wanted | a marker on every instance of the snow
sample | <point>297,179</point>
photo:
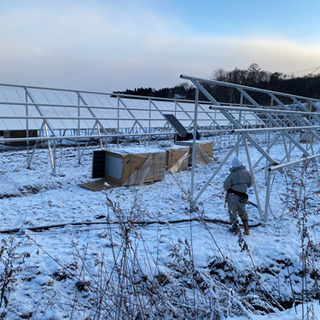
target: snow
<point>56,259</point>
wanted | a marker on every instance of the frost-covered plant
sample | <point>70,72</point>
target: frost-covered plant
<point>263,300</point>
<point>125,283</point>
<point>197,293</point>
<point>129,284</point>
<point>10,267</point>
<point>127,276</point>
<point>300,203</point>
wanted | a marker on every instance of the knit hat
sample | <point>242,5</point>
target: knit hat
<point>236,163</point>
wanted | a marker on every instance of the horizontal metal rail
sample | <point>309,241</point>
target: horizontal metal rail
<point>91,118</point>
<point>96,136</point>
<point>83,106</point>
<point>291,163</point>
<point>211,107</point>
<point>86,137</point>
<point>265,110</point>
<point>116,95</point>
<point>275,129</point>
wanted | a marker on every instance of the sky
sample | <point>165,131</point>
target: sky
<point>112,45</point>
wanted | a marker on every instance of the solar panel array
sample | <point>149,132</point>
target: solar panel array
<point>29,108</point>
<point>46,109</point>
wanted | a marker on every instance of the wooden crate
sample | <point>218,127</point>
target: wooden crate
<point>177,158</point>
<point>133,166</point>
<point>204,151</point>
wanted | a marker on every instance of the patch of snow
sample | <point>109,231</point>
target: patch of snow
<point>46,287</point>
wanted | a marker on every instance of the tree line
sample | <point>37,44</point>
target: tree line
<point>253,76</point>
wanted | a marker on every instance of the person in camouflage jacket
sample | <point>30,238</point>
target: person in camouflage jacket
<point>236,185</point>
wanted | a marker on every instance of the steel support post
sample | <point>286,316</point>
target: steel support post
<point>254,180</point>
<point>150,115</point>
<point>288,152</point>
<point>194,145</point>
<point>35,146</point>
<point>99,131</point>
<point>285,147</point>
<point>79,125</point>
<point>239,120</point>
<point>268,150</point>
<point>118,119</point>
<point>266,208</point>
<point>54,157</point>
<point>49,148</point>
<point>27,125</point>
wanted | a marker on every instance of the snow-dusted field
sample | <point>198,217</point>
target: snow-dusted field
<point>61,272</point>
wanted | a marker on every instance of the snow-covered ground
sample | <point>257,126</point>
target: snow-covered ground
<point>56,269</point>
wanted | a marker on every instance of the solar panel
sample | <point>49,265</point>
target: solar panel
<point>29,107</point>
<point>176,124</point>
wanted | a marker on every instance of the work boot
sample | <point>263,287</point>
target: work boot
<point>234,229</point>
<point>246,227</point>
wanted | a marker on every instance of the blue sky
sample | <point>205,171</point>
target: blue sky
<point>289,18</point>
<point>107,45</point>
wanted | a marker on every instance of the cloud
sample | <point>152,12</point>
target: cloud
<point>108,48</point>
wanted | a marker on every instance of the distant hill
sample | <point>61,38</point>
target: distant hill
<point>254,76</point>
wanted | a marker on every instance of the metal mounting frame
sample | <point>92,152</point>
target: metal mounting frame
<point>284,118</point>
